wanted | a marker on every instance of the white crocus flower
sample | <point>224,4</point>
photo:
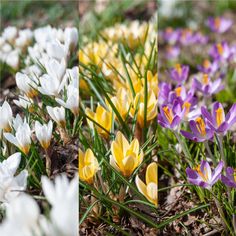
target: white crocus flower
<point>18,121</point>
<point>53,82</point>
<point>44,133</point>
<point>55,69</point>
<point>56,50</point>
<point>13,59</point>
<point>25,37</point>
<point>26,84</point>
<point>24,102</point>
<point>73,75</point>
<point>22,218</point>
<point>72,101</point>
<point>22,138</point>
<point>11,185</point>
<point>5,117</point>
<point>50,86</point>
<point>63,196</point>
<point>33,70</point>
<point>57,114</point>
<point>71,38</point>
<point>9,33</point>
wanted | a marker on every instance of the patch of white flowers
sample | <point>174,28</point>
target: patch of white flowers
<point>23,217</point>
<point>46,51</point>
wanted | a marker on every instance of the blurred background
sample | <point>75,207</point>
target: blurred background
<point>183,13</point>
<point>34,13</point>
<point>98,14</point>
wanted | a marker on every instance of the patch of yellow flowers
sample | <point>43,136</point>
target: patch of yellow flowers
<point>129,102</point>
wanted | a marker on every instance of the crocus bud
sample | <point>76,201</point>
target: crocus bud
<point>71,38</point>
<point>57,114</point>
<point>149,190</point>
<point>22,138</point>
<point>88,165</point>
<point>5,117</point>
<point>56,50</point>
<point>44,133</point>
<point>26,85</point>
<point>102,117</point>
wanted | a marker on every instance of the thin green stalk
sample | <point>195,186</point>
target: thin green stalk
<point>221,213</point>
<point>210,153</point>
<point>184,147</point>
<point>221,147</point>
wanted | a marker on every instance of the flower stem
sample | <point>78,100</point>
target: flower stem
<point>101,182</point>
<point>222,215</point>
<point>220,210</point>
<point>48,162</point>
<point>209,152</point>
<point>183,145</point>
<point>221,147</point>
<point>234,222</point>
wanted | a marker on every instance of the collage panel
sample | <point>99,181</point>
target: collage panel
<point>197,117</point>
<point>118,118</point>
<point>39,122</point>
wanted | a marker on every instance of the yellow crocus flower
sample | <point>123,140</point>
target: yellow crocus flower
<point>138,104</point>
<point>126,157</point>
<point>88,166</point>
<point>95,52</point>
<point>103,117</point>
<point>122,102</point>
<point>149,190</point>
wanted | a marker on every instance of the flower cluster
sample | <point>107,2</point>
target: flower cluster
<point>13,43</point>
<point>119,89</point>
<point>23,215</point>
<point>192,107</point>
<point>46,118</point>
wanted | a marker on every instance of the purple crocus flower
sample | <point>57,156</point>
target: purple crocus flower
<point>206,86</point>
<point>199,38</point>
<point>219,24</point>
<point>208,67</point>
<point>187,100</point>
<point>216,120</point>
<point>203,175</point>
<point>170,116</point>
<point>221,52</point>
<point>179,73</point>
<point>186,37</point>
<point>170,35</point>
<point>183,95</point>
<point>164,90</point>
<point>172,52</point>
<point>230,178</point>
<point>200,132</point>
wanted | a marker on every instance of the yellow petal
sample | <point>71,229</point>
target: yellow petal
<point>113,163</point>
<point>142,188</point>
<point>105,120</point>
<point>117,154</point>
<point>81,159</point>
<point>122,142</point>
<point>88,172</point>
<point>100,110</point>
<point>140,158</point>
<point>129,165</point>
<point>134,146</point>
<point>151,173</point>
<point>89,157</point>
<point>152,190</point>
